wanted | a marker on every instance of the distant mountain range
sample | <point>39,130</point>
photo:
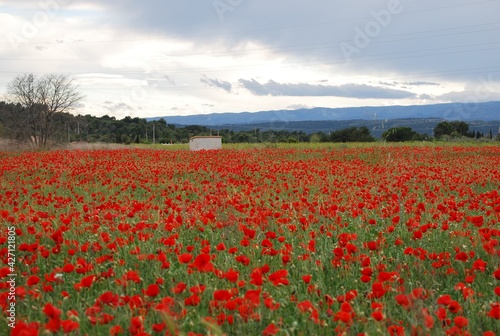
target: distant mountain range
<point>488,111</point>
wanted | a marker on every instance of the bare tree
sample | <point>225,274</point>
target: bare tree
<point>42,98</point>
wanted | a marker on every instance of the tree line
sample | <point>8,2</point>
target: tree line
<point>40,115</point>
<point>66,127</point>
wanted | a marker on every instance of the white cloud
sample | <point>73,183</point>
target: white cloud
<point>165,57</point>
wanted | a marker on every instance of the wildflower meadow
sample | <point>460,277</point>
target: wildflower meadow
<point>379,240</point>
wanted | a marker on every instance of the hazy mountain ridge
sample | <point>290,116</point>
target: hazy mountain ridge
<point>488,111</point>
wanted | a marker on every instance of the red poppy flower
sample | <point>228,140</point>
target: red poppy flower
<point>115,331</point>
<point>86,282</point>
<point>307,278</point>
<point>285,259</point>
<point>479,265</point>
<point>346,307</point>
<point>403,300</point>
<point>419,293</point>
<point>377,315</point>
<point>441,314</point>
<point>444,300</point>
<point>461,256</point>
<point>365,278</point>
<point>159,327</point>
<point>495,311</point>
<point>68,268</point>
<point>378,290</point>
<point>25,329</point>
<point>428,319</point>
<point>395,330</point>
<point>202,263</point>
<point>136,325</point>
<point>51,311</point>
<point>193,300</point>
<point>243,259</point>
<point>185,258</point>
<point>496,274</point>
<point>179,288</point>
<point>33,280</point>
<point>68,326</point>
<point>279,278</point>
<point>460,321</point>
<point>305,306</point>
<point>271,304</point>
<point>253,295</point>
<point>270,330</point>
<point>266,243</point>
<point>152,290</point>
<point>367,271</point>
<point>109,298</point>
<point>256,276</point>
<point>53,325</point>
<point>222,295</point>
<point>232,275</point>
<point>132,276</point>
<point>343,316</point>
<point>197,289</point>
<point>454,307</point>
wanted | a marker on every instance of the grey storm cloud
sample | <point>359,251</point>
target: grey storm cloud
<point>421,83</point>
<point>224,85</point>
<point>415,37</point>
<point>387,49</point>
<point>118,107</point>
<point>360,91</point>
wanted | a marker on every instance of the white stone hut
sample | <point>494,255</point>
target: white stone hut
<point>205,143</point>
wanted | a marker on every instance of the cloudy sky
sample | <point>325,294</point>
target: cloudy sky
<point>159,58</point>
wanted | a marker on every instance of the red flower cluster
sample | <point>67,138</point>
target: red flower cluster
<point>395,240</point>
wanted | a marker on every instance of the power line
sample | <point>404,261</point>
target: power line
<point>327,61</point>
<point>296,47</point>
<point>240,32</point>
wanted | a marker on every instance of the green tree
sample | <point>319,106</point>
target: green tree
<point>352,134</point>
<point>449,127</point>
<point>442,128</point>
<point>400,134</point>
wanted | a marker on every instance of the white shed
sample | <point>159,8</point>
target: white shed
<point>205,143</point>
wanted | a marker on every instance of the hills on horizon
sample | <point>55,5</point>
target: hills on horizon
<point>487,111</point>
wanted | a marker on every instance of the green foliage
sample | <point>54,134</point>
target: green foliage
<point>130,130</point>
<point>452,128</point>
<point>402,134</point>
<point>315,138</point>
<point>352,134</point>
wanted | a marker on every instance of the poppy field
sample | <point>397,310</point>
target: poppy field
<point>380,240</point>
